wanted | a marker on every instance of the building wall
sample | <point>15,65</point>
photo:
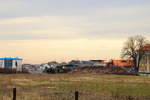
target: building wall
<point>16,64</point>
<point>145,63</point>
<point>1,63</point>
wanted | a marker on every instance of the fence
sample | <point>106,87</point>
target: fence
<point>37,94</point>
<point>47,94</point>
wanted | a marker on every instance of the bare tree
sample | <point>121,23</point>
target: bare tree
<point>132,50</point>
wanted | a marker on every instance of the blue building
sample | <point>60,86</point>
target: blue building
<point>11,63</point>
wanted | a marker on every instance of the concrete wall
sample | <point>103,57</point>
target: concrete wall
<point>17,64</point>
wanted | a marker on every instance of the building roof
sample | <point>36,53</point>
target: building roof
<point>11,59</point>
<point>97,60</point>
<point>146,47</point>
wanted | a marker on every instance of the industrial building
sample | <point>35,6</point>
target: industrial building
<point>11,63</point>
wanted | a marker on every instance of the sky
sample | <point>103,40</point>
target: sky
<point>40,31</point>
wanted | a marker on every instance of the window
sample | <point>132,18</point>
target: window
<point>8,63</point>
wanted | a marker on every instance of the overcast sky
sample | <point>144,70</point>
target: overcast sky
<point>44,30</point>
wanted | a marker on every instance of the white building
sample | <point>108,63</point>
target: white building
<point>11,63</point>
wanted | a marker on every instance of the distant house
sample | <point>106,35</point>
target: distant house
<point>86,64</point>
<point>52,64</point>
<point>97,63</point>
<point>44,66</point>
<point>89,63</point>
<point>104,63</point>
<point>122,63</point>
<point>11,63</point>
<point>68,67</point>
<point>145,61</point>
<point>75,62</point>
<point>26,68</point>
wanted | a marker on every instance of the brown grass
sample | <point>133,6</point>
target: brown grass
<point>62,86</point>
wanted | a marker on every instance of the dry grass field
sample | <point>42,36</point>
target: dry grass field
<point>62,87</point>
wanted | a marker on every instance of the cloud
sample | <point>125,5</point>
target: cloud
<point>30,8</point>
<point>37,51</point>
<point>44,27</point>
<point>66,27</point>
<point>40,31</point>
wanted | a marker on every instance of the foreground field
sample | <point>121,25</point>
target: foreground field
<point>62,86</point>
